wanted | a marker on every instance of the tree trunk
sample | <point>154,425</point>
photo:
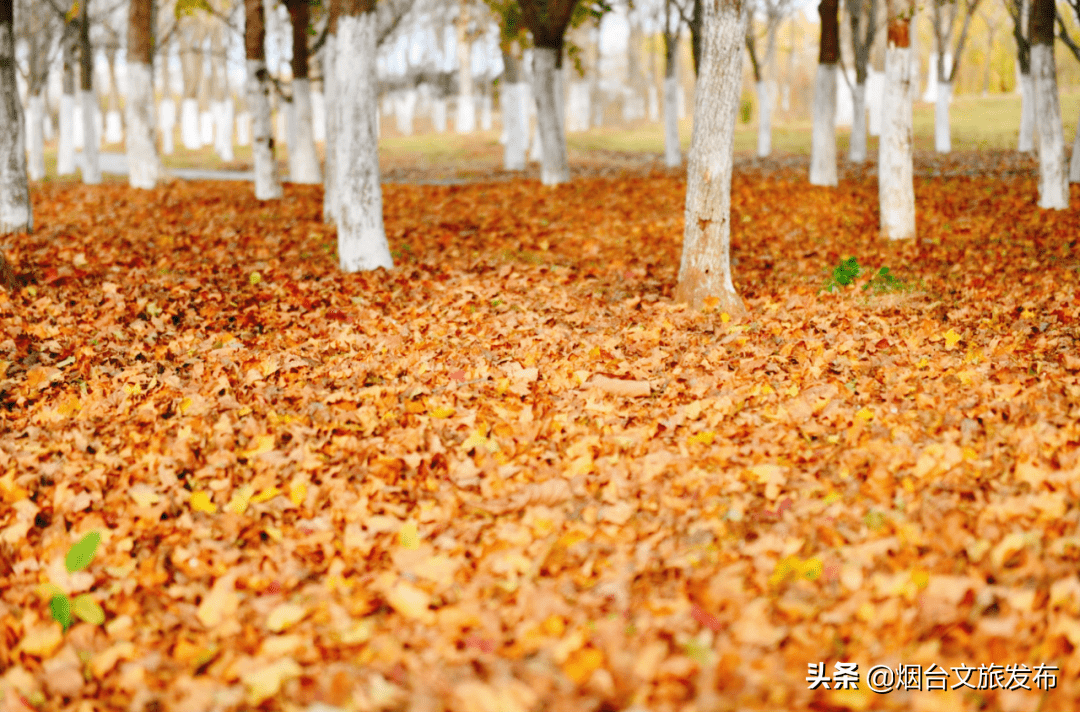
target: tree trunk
<point>15,210</point>
<point>466,105</point>
<point>942,137</point>
<point>303,160</point>
<point>65,154</point>
<point>672,147</point>
<point>1074,163</point>
<point>705,270</point>
<point>361,235</point>
<point>764,132</point>
<point>91,168</point>
<point>857,147</point>
<point>555,166</point>
<point>515,114</point>
<point>896,184</point>
<point>144,165</point>
<point>823,139</point>
<point>330,86</point>
<point>267,182</point>
<point>1053,183</point>
<point>1053,186</point>
<point>35,136</point>
<point>1026,143</point>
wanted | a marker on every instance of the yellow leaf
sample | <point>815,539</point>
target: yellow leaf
<point>264,683</point>
<point>951,338</point>
<point>411,602</point>
<point>705,437</point>
<point>409,537</point>
<point>297,492</point>
<point>442,411</point>
<point>923,363</point>
<point>725,317</point>
<point>42,640</point>
<point>240,499</point>
<point>865,415</point>
<point>69,406</point>
<point>582,663</point>
<point>260,445</point>
<point>266,495</point>
<point>200,502</point>
<point>220,603</point>
<point>285,616</point>
<point>254,278</point>
<point>184,405</point>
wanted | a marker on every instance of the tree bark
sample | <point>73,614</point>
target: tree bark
<point>144,165</point>
<point>35,138</point>
<point>555,165</point>
<point>361,235</point>
<point>942,130</point>
<point>672,147</point>
<point>303,160</point>
<point>823,139</point>
<point>705,270</point>
<point>65,154</point>
<point>1053,183</point>
<point>91,168</point>
<point>1026,141</point>
<point>764,133</point>
<point>267,181</point>
<point>515,114</point>
<point>896,186</point>
<point>191,66</point>
<point>466,103</point>
<point>857,147</point>
<point>15,210</point>
<point>330,84</point>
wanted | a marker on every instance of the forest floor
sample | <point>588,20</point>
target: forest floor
<point>511,474</point>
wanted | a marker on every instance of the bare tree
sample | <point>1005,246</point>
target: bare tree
<point>1053,183</point>
<point>863,15</point>
<point>15,211</point>
<point>823,139</point>
<point>267,181</point>
<point>944,21</point>
<point>896,186</point>
<point>1019,11</point>
<point>144,164</point>
<point>764,68</point>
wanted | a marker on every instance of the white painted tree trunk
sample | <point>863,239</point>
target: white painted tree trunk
<point>516,124</point>
<point>15,210</point>
<point>267,181</point>
<point>332,108</point>
<point>167,123</point>
<point>91,165</point>
<point>823,140</point>
<point>318,115</point>
<point>65,155</point>
<point>35,124</point>
<point>554,164</point>
<point>857,147</point>
<point>654,104</point>
<point>243,128</point>
<point>485,112</point>
<point>361,235</point>
<point>189,124</point>
<point>78,124</point>
<point>303,161</point>
<point>405,110</point>
<point>466,114</point>
<point>114,128</point>
<point>942,130</point>
<point>144,165</point>
<point>223,130</point>
<point>1053,185</point>
<point>705,269</point>
<point>672,149</point>
<point>764,130</point>
<point>875,92</point>
<point>206,128</point>
<point>1026,143</point>
<point>1074,164</point>
<point>896,182</point>
<point>438,114</point>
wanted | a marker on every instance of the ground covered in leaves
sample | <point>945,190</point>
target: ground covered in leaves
<point>512,475</point>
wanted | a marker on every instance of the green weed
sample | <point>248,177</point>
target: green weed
<point>84,606</point>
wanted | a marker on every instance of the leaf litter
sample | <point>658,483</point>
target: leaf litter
<point>511,474</point>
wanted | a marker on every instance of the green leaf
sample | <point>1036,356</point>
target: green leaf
<point>60,605</point>
<point>81,552</point>
<point>87,608</point>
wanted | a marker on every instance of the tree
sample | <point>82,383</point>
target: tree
<point>705,271</point>
<point>896,181</point>
<point>863,15</point>
<point>548,20</point>
<point>38,26</point>
<point>672,148</point>
<point>823,139</point>
<point>15,210</point>
<point>1074,47</point>
<point>267,181</point>
<point>944,21</point>
<point>143,160</point>
<point>765,69</point>
<point>1053,183</point>
<point>69,49</point>
<point>330,97</point>
<point>361,235</point>
<point>513,90</point>
<point>91,168</point>
<point>1018,11</point>
<point>303,161</point>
